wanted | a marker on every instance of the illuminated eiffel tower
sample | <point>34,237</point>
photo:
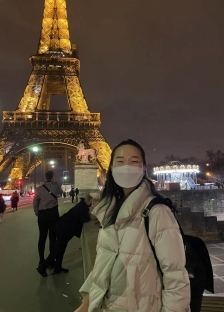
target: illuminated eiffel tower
<point>55,71</point>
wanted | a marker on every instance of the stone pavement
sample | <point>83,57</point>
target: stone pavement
<point>216,252</point>
<point>21,287</point>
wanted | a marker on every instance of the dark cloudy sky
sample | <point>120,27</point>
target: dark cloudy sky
<point>154,69</point>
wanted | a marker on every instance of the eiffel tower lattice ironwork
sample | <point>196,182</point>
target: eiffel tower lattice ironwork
<point>55,70</point>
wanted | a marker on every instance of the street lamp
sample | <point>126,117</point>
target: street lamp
<point>52,163</point>
<point>64,181</point>
<point>35,150</point>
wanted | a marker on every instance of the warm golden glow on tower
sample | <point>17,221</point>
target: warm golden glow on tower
<point>55,33</point>
<point>16,173</point>
<point>56,67</point>
<point>55,71</point>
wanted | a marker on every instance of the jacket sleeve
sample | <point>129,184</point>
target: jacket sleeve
<point>87,285</point>
<point>165,236</point>
<point>36,201</point>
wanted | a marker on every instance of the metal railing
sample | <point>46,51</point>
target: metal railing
<point>15,116</point>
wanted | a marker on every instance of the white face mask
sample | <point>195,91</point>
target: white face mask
<point>127,176</point>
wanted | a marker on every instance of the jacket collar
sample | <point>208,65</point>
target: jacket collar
<point>132,206</point>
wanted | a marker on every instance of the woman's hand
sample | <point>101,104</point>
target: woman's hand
<point>85,304</point>
<point>81,309</point>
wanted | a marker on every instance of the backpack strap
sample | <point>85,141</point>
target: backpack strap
<point>167,202</point>
<point>49,191</point>
<point>145,214</point>
<point>153,202</point>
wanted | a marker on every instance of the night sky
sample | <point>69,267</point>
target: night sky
<point>153,69</point>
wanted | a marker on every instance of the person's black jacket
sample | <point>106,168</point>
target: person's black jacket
<point>72,221</point>
<point>199,248</point>
<point>72,193</point>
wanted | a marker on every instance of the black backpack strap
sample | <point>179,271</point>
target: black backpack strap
<point>153,202</point>
<point>182,234</point>
<point>146,220</point>
<point>145,214</point>
<point>49,191</point>
<point>167,202</point>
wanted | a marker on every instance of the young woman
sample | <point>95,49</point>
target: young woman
<point>125,276</point>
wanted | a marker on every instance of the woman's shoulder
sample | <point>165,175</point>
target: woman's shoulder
<point>162,218</point>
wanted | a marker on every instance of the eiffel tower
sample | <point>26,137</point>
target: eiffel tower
<point>55,71</point>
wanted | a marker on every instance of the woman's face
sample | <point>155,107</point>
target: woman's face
<point>127,155</point>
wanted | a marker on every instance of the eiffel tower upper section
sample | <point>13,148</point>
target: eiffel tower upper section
<point>55,33</point>
<point>55,71</point>
<point>56,66</point>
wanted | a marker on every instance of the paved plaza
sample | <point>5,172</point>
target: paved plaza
<point>23,289</point>
<point>216,252</point>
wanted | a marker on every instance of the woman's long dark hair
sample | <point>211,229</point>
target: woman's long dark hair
<point>112,190</point>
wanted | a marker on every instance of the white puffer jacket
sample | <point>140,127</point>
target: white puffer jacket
<point>125,276</point>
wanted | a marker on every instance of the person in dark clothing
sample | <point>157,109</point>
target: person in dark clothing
<point>14,201</point>
<point>45,204</point>
<point>70,224</point>
<point>2,207</point>
<point>72,194</point>
<point>76,194</point>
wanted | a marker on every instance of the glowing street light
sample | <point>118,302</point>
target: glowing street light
<point>52,163</point>
<point>35,150</point>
